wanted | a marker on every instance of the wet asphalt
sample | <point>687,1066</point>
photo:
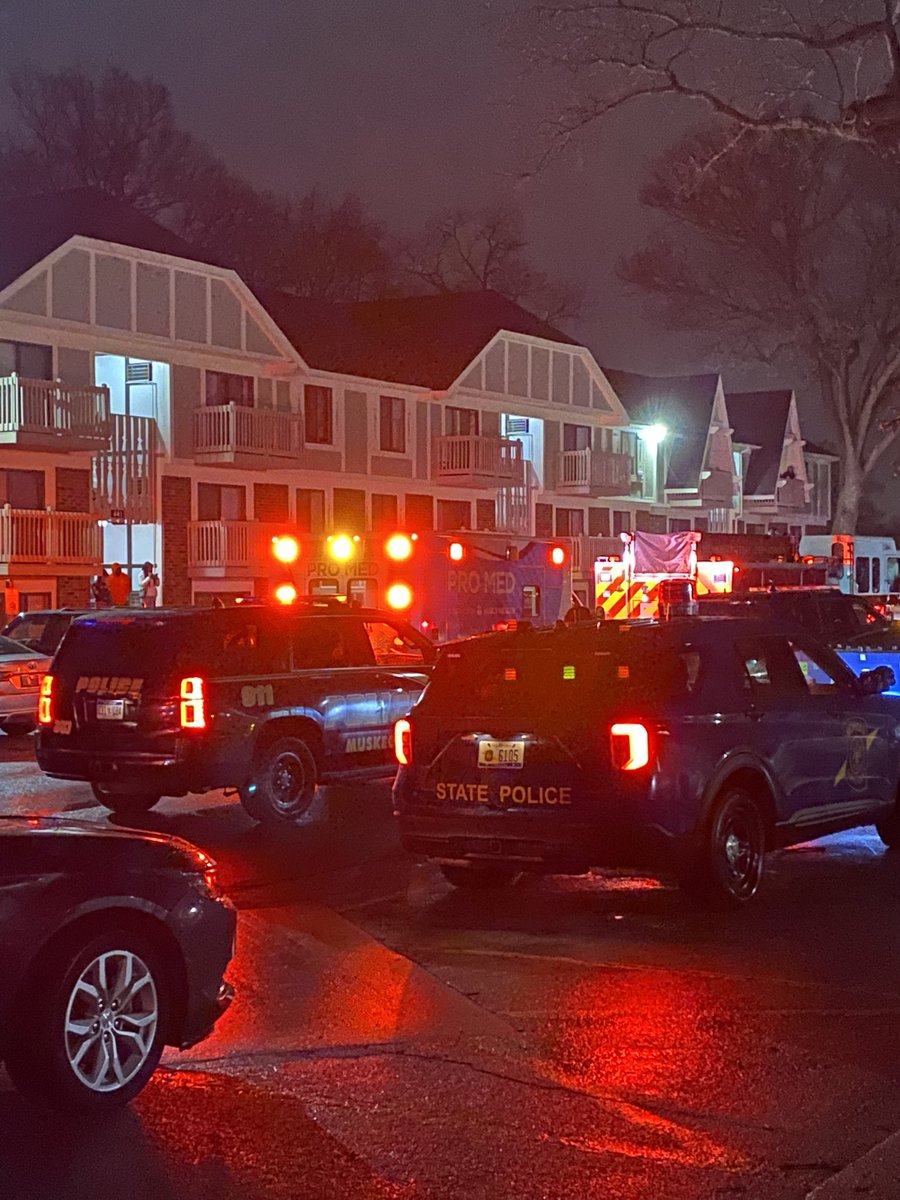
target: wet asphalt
<point>568,1037</point>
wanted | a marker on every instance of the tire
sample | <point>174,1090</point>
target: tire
<point>889,829</point>
<point>72,1051</point>
<point>476,878</point>
<point>283,784</point>
<point>16,727</point>
<point>124,804</point>
<point>728,868</point>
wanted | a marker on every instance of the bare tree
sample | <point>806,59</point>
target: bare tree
<point>115,133</point>
<point>461,250</point>
<point>787,248</point>
<point>789,65</point>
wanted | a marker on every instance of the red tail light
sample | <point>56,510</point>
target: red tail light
<point>403,742</point>
<point>45,701</point>
<point>193,705</point>
<point>630,742</point>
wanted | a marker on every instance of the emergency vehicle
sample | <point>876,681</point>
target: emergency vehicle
<point>857,565</point>
<point>448,585</point>
<point>634,586</point>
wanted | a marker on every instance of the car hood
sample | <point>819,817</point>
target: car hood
<point>60,844</point>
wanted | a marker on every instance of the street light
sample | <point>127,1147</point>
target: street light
<point>652,435</point>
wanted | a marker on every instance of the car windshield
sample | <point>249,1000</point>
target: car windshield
<point>8,647</point>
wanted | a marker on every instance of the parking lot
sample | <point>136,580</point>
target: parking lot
<point>569,1037</point>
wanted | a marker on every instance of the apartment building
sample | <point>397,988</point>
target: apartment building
<point>154,407</point>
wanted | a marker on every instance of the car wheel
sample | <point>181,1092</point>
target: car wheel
<point>92,1025</point>
<point>889,829</point>
<point>474,878</point>
<point>729,867</point>
<point>283,785</point>
<point>17,726</point>
<point>124,804</point>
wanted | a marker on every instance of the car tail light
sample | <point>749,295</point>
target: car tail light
<point>193,706</point>
<point>403,742</point>
<point>630,743</point>
<point>45,701</point>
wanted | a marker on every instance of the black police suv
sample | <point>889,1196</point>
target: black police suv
<point>694,746</point>
<point>113,944</point>
<point>270,701</point>
<point>827,613</point>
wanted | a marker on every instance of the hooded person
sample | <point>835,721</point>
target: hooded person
<point>119,584</point>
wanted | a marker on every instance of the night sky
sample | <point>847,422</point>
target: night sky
<point>411,104</point>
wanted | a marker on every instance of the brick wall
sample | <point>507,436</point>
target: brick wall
<point>175,506</point>
<point>270,501</point>
<point>73,489</point>
<point>73,591</point>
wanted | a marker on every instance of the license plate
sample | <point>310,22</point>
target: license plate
<point>501,754</point>
<point>28,681</point>
<point>110,710</point>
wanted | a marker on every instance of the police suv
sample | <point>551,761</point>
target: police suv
<point>694,746</point>
<point>270,701</point>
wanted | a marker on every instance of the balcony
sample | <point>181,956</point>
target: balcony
<point>593,473</point>
<point>229,548</point>
<point>43,414</point>
<point>234,435</point>
<point>717,488</point>
<point>123,474</point>
<point>480,461</point>
<point>588,548</point>
<point>791,497</point>
<point>42,541</point>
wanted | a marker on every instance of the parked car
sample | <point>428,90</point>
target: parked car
<point>113,944</point>
<point>21,672</point>
<point>42,630</point>
<point>693,747</point>
<point>832,616</point>
<point>269,701</point>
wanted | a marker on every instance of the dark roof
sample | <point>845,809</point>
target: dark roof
<point>813,448</point>
<point>683,403</point>
<point>427,341</point>
<point>760,419</point>
<point>31,227</point>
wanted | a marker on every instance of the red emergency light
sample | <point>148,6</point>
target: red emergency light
<point>558,556</point>
<point>456,551</point>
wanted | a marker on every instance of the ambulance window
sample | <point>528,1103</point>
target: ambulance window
<point>862,575</point>
<point>893,574</point>
<point>363,592</point>
<point>392,647</point>
<point>876,574</point>
<point>323,587</point>
<point>531,601</point>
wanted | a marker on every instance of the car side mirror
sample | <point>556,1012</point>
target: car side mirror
<point>876,681</point>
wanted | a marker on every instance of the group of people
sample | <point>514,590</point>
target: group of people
<point>112,589</point>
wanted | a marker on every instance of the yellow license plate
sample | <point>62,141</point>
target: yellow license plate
<point>501,754</point>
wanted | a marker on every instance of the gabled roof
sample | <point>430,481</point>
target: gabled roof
<point>684,404</point>
<point>760,419</point>
<point>424,341</point>
<point>32,227</point>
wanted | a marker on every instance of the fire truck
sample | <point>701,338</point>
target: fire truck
<point>447,584</point>
<point>635,585</point>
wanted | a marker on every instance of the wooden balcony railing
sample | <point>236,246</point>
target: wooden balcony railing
<point>594,472</point>
<point>42,536</point>
<point>227,430</point>
<point>239,545</point>
<point>123,474</point>
<point>478,460</point>
<point>52,411</point>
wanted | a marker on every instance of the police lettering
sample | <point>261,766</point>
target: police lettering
<point>110,685</point>
<point>372,741</point>
<point>508,795</point>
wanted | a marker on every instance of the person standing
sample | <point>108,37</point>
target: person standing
<point>119,585</point>
<point>149,586</point>
<point>100,590</point>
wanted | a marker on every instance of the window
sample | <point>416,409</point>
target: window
<point>329,642</point>
<point>862,575</point>
<point>876,575</point>
<point>249,647</point>
<point>569,522</point>
<point>576,437</point>
<point>769,668</point>
<point>531,601</point>
<point>221,502</point>
<point>27,359</point>
<point>349,510</point>
<point>318,415</point>
<point>454,514</point>
<point>310,510</point>
<point>820,680</point>
<point>419,513</point>
<point>222,388</point>
<point>392,424</point>
<point>384,513</point>
<point>22,489</point>
<point>392,647</point>
<point>462,422</point>
<point>621,522</point>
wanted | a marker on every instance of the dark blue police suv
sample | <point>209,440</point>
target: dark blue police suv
<point>692,746</point>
